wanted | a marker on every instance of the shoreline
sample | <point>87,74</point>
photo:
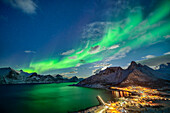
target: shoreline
<point>163,93</point>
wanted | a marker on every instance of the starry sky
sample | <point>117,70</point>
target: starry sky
<point>82,37</point>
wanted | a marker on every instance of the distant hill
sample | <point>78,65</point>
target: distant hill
<point>163,68</point>
<point>135,74</point>
<point>11,76</point>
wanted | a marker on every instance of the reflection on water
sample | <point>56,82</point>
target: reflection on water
<point>61,98</point>
<point>48,98</point>
<point>118,94</point>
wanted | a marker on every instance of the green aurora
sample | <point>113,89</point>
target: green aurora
<point>134,32</point>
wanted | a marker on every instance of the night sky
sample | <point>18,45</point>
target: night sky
<point>78,37</point>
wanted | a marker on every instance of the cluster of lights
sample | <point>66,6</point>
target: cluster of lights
<point>140,97</point>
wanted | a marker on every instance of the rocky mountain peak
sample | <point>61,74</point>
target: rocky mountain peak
<point>110,70</point>
<point>134,65</point>
<point>33,74</point>
<point>59,76</point>
<point>74,79</point>
<point>164,66</point>
<point>135,74</point>
<point>21,70</point>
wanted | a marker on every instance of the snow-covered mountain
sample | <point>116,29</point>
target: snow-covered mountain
<point>163,68</point>
<point>135,74</point>
<point>11,76</point>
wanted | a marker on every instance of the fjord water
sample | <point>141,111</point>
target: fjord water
<point>48,98</point>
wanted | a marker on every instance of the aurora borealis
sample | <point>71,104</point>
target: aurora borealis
<point>137,29</point>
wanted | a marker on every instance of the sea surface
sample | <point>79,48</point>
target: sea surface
<point>48,98</point>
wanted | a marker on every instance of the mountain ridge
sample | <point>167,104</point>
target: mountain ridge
<point>11,76</point>
<point>135,74</point>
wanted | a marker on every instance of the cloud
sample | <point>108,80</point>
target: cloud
<point>82,61</point>
<point>73,57</point>
<point>94,49</point>
<point>126,66</point>
<point>84,48</point>
<point>103,68</point>
<point>95,31</point>
<point>167,53</point>
<point>113,47</point>
<point>120,54</point>
<point>28,51</point>
<point>103,65</point>
<point>87,44</point>
<point>167,36</point>
<point>156,60</point>
<point>27,6</point>
<point>95,71</point>
<point>68,52</point>
<point>148,56</point>
<point>71,72</point>
<point>74,68</point>
<point>80,52</point>
<point>77,65</point>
